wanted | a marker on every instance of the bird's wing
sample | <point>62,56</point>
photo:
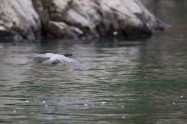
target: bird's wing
<point>46,55</point>
<point>71,62</point>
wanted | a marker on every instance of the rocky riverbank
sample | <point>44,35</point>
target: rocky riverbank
<point>30,19</point>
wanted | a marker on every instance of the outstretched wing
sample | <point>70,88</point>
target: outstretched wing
<point>46,55</point>
<point>71,62</point>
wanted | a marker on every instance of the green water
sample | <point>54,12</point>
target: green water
<point>128,82</point>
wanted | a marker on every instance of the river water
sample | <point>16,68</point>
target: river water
<point>128,82</point>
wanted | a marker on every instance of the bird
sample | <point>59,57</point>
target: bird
<point>64,58</point>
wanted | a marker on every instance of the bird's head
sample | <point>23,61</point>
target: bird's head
<point>67,54</point>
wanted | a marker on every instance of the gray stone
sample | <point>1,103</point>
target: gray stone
<point>62,30</point>
<point>27,19</point>
<point>19,16</point>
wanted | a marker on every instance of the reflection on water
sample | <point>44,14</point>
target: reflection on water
<point>135,82</point>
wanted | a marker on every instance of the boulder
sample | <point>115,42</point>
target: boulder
<point>62,30</point>
<point>19,18</point>
<point>76,19</point>
<point>98,18</point>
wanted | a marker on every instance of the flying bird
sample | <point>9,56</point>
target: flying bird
<point>60,58</point>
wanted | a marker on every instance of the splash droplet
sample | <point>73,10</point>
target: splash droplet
<point>103,103</point>
<point>181,97</point>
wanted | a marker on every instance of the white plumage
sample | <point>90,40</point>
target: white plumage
<point>60,58</point>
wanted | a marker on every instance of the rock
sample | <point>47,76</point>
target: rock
<point>62,30</point>
<point>19,16</point>
<point>3,32</point>
<point>99,18</point>
<point>76,18</point>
